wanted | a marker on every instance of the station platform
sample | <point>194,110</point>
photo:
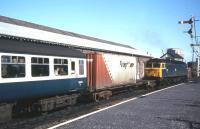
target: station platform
<point>175,107</point>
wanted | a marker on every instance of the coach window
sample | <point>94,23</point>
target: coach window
<point>81,67</point>
<point>39,67</point>
<point>60,67</point>
<point>12,66</point>
<point>73,67</point>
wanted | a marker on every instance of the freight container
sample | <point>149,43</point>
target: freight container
<point>105,70</point>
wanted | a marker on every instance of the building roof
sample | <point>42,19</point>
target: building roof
<point>54,30</point>
<point>14,28</point>
<point>172,55</point>
<point>27,47</point>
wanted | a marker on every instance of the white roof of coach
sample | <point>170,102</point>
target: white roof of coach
<point>18,28</point>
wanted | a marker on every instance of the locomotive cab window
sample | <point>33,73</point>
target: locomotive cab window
<point>12,66</point>
<point>149,65</point>
<point>60,67</point>
<point>156,65</point>
<point>39,67</point>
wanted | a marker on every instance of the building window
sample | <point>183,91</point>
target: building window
<point>73,67</point>
<point>81,67</point>
<point>12,66</point>
<point>60,67</point>
<point>39,67</point>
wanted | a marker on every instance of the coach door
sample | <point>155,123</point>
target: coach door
<point>73,70</point>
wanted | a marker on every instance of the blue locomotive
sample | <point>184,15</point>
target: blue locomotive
<point>169,71</point>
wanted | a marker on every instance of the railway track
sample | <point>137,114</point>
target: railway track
<point>42,121</point>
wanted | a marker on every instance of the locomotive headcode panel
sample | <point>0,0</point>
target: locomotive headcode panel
<point>110,70</point>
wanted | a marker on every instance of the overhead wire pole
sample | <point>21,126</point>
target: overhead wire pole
<point>195,46</point>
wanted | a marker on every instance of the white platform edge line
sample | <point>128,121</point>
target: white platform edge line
<point>89,114</point>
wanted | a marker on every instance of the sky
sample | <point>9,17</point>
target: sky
<point>148,25</point>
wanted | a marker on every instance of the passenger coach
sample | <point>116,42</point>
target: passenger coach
<point>34,70</point>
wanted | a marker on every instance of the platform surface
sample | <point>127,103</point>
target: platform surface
<point>175,108</point>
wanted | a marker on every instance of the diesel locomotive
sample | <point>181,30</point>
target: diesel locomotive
<point>166,71</point>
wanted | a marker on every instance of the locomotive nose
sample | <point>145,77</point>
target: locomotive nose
<point>152,73</point>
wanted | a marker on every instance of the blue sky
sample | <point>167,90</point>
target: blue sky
<point>150,25</point>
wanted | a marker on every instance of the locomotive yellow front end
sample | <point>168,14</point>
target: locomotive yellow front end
<point>153,72</point>
<point>154,69</point>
